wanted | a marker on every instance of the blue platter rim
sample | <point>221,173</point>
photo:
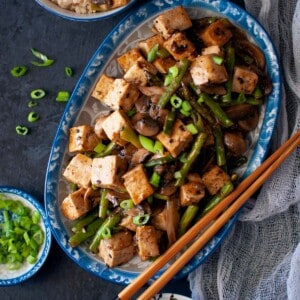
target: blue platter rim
<point>136,17</point>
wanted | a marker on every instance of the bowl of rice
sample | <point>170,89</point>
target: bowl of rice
<point>85,10</point>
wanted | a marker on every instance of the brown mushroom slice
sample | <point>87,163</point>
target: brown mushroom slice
<point>235,143</point>
<point>147,126</point>
<point>249,124</point>
<point>241,111</point>
<point>253,51</point>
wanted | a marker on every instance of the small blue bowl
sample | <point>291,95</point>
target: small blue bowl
<point>13,277</point>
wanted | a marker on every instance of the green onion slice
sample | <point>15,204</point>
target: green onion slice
<point>147,143</point>
<point>155,179</point>
<point>32,117</point>
<point>37,94</point>
<point>176,101</point>
<point>22,130</point>
<point>63,96</point>
<point>18,71</point>
<point>32,103</point>
<point>127,204</point>
<point>44,60</point>
<point>141,219</point>
<point>68,71</point>
<point>152,54</point>
<point>192,128</point>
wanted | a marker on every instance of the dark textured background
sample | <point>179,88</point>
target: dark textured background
<point>23,159</point>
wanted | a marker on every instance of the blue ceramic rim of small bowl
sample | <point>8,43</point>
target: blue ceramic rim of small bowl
<point>134,19</point>
<point>48,237</point>
<point>72,16</point>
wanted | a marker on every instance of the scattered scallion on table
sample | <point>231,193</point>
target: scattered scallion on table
<point>18,71</point>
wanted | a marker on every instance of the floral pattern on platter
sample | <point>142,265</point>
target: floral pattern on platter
<point>81,108</point>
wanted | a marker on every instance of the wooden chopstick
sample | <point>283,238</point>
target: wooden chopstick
<point>233,203</point>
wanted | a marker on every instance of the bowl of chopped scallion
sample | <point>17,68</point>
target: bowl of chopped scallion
<point>25,236</point>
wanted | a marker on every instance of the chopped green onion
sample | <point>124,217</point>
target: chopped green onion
<point>106,232</point>
<point>63,96</point>
<point>161,197</point>
<point>32,103</point>
<point>185,112</point>
<point>155,179</point>
<point>141,219</point>
<point>158,147</point>
<point>32,117</point>
<point>218,60</point>
<point>22,130</point>
<point>152,54</point>
<point>186,106</point>
<point>176,101</point>
<point>163,53</point>
<point>99,148</point>
<point>45,61</point>
<point>127,204</point>
<point>192,128</point>
<point>147,143</point>
<point>68,71</point>
<point>18,71</point>
<point>37,94</point>
<point>257,93</point>
<point>168,79</point>
<point>31,259</point>
<point>173,71</point>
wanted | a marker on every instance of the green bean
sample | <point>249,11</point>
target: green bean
<point>194,153</point>
<point>107,150</point>
<point>216,110</point>
<point>219,146</point>
<point>168,125</point>
<point>81,236</point>
<point>103,204</point>
<point>84,221</point>
<point>187,218</point>
<point>226,189</point>
<point>230,62</point>
<point>202,110</point>
<point>159,161</point>
<point>111,221</point>
<point>174,85</point>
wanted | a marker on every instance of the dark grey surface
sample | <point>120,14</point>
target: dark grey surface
<point>23,159</point>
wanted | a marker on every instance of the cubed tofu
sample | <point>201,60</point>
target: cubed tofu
<point>147,242</point>
<point>79,170</point>
<point>74,205</point>
<point>121,95</point>
<point>98,128</point>
<point>180,46</point>
<point>217,33</point>
<point>114,124</point>
<point>214,179</point>
<point>118,249</point>
<point>164,64</point>
<point>146,45</point>
<point>204,70</point>
<point>102,87</point>
<point>159,220</point>
<point>140,73</point>
<point>137,184</point>
<point>173,20</point>
<point>107,172</point>
<point>212,50</point>
<point>244,80</point>
<point>192,192</point>
<point>127,59</point>
<point>128,223</point>
<point>82,138</point>
<point>178,140</point>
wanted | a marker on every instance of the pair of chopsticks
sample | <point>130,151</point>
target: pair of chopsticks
<point>216,218</point>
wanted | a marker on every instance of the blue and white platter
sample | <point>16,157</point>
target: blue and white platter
<point>13,277</point>
<point>81,109</point>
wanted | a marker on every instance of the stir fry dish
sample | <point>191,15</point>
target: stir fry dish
<point>166,150</point>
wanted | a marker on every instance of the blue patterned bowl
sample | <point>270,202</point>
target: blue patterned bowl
<point>12,277</point>
<point>81,109</point>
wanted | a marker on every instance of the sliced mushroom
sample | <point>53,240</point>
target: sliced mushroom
<point>235,143</point>
<point>241,112</point>
<point>249,124</point>
<point>147,126</point>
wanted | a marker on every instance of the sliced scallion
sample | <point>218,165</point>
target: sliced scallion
<point>63,96</point>
<point>44,60</point>
<point>37,94</point>
<point>22,130</point>
<point>18,71</point>
<point>32,117</point>
<point>69,71</point>
<point>141,219</point>
<point>32,103</point>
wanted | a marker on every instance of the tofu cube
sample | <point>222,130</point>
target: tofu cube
<point>98,128</point>
<point>117,250</point>
<point>107,172</point>
<point>147,242</point>
<point>173,20</point>
<point>82,138</point>
<point>121,95</point>
<point>217,33</point>
<point>191,193</point>
<point>212,50</point>
<point>159,220</point>
<point>102,87</point>
<point>79,170</point>
<point>180,47</point>
<point>114,124</point>
<point>178,140</point>
<point>214,179</point>
<point>204,70</point>
<point>74,205</point>
<point>244,80</point>
<point>127,59</point>
<point>146,45</point>
<point>140,72</point>
<point>137,184</point>
<point>128,223</point>
<point>164,64</point>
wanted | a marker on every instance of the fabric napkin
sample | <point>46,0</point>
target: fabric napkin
<point>260,259</point>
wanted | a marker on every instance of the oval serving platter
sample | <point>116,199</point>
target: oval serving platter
<point>82,109</point>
